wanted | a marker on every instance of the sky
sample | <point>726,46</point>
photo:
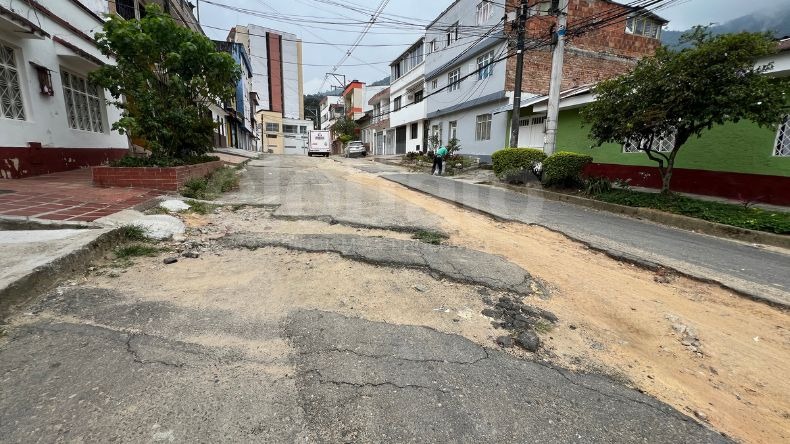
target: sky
<point>308,20</point>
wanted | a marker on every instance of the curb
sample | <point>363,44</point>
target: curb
<point>669,219</point>
<point>44,277</point>
<point>619,256</point>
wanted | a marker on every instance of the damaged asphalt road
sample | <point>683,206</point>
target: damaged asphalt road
<point>278,337</point>
<point>454,263</point>
<point>338,379</point>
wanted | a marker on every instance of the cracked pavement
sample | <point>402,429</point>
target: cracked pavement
<point>311,337</point>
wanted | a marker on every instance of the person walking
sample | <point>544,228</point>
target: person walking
<point>438,161</point>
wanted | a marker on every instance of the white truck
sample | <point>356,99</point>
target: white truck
<point>319,143</point>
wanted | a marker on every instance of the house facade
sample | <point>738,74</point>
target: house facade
<point>51,117</point>
<point>376,133</point>
<point>182,11</point>
<point>408,110</point>
<point>331,108</point>
<point>470,74</point>
<point>740,161</point>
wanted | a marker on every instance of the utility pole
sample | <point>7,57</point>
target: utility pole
<point>550,144</point>
<point>514,123</point>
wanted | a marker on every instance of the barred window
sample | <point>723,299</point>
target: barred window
<point>84,103</point>
<point>662,143</point>
<point>10,92</point>
<point>782,145</point>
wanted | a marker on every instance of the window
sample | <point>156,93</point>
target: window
<point>273,127</point>
<point>452,130</point>
<point>435,84</point>
<point>84,103</point>
<point>418,96</point>
<point>10,91</point>
<point>484,11</point>
<point>452,34</point>
<point>433,46</point>
<point>485,67</point>
<point>641,25</point>
<point>414,130</point>
<point>396,103</point>
<point>453,79</point>
<point>290,129</point>
<point>662,143</point>
<point>782,145</point>
<point>303,129</point>
<point>483,127</point>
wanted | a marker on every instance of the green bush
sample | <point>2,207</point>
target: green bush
<point>150,161</point>
<point>509,160</point>
<point>564,169</point>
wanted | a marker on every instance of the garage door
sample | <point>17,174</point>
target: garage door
<point>294,150</point>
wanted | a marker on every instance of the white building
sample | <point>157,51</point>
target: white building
<point>408,109</point>
<point>330,109</point>
<point>51,118</point>
<point>456,47</point>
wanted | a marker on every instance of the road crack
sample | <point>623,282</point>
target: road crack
<point>132,350</point>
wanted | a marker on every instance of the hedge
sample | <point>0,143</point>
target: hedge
<point>564,169</point>
<point>515,159</point>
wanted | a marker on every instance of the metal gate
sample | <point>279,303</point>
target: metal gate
<point>532,131</point>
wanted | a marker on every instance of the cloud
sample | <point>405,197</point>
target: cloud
<point>311,86</point>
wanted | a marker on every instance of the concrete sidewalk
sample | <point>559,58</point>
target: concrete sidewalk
<point>751,270</point>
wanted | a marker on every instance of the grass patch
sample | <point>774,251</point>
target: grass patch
<point>430,237</point>
<point>136,250</point>
<point>735,215</point>
<point>132,233</point>
<point>196,206</point>
<point>543,326</point>
<point>209,188</point>
<point>157,210</point>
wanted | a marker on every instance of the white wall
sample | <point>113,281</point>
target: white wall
<point>291,98</point>
<point>46,118</point>
<point>467,120</point>
<point>260,65</point>
<point>409,111</point>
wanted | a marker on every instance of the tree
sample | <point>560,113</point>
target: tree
<point>168,74</point>
<point>345,129</point>
<point>677,94</point>
<point>453,146</point>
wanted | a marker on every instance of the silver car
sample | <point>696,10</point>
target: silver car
<point>356,148</point>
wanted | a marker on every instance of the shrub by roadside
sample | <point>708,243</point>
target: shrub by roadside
<point>564,169</point>
<point>208,188</point>
<point>138,162</point>
<point>512,160</point>
<point>728,214</point>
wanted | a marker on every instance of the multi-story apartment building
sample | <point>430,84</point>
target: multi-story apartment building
<point>276,60</point>
<point>331,108</point>
<point>469,89</point>
<point>407,89</point>
<point>463,40</point>
<point>239,114</point>
<point>51,117</point>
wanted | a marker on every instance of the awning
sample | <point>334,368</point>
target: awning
<point>534,100</point>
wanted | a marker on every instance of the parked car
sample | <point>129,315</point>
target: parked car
<point>356,148</point>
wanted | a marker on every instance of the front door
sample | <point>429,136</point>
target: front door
<point>400,140</point>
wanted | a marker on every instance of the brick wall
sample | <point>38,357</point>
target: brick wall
<point>165,179</point>
<point>19,162</point>
<point>597,55</point>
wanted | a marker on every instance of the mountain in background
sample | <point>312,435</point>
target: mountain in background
<point>775,21</point>
<point>383,82</point>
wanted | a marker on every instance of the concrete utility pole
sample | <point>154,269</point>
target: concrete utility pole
<point>516,118</point>
<point>550,144</point>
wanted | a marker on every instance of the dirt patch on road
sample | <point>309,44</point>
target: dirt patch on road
<point>696,346</point>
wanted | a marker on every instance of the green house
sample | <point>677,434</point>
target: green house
<point>739,161</point>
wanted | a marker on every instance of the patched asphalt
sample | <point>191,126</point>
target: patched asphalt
<point>454,263</point>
